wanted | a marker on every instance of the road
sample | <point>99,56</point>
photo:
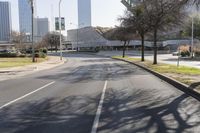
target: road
<point>92,94</point>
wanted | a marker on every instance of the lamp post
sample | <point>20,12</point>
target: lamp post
<point>32,36</point>
<point>192,49</point>
<point>179,43</point>
<point>60,30</point>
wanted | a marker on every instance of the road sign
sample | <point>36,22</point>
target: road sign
<point>62,23</point>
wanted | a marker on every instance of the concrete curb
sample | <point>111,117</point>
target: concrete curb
<point>27,70</point>
<point>183,87</point>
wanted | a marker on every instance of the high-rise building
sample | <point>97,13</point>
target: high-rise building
<point>42,27</point>
<point>84,13</point>
<point>5,21</point>
<point>25,19</point>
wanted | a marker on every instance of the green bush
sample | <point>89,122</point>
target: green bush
<point>197,54</point>
<point>22,55</point>
<point>43,50</point>
<point>8,54</point>
<point>40,55</point>
<point>185,53</point>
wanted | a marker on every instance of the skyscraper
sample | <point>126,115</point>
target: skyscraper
<point>24,16</point>
<point>5,21</point>
<point>84,13</point>
<point>42,27</point>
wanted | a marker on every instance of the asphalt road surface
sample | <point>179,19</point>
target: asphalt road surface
<point>92,94</point>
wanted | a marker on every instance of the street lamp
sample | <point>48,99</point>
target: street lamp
<point>192,38</point>
<point>179,43</point>
<point>32,11</point>
<point>60,30</point>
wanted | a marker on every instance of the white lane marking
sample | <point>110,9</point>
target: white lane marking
<point>11,102</point>
<point>98,113</point>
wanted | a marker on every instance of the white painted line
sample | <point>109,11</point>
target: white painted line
<point>20,98</point>
<point>98,113</point>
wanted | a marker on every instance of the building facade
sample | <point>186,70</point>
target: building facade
<point>42,27</point>
<point>84,13</point>
<point>5,21</point>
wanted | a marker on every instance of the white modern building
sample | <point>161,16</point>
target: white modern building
<point>90,38</point>
<point>5,21</point>
<point>42,27</point>
<point>84,13</point>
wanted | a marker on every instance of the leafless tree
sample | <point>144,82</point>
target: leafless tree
<point>51,40</point>
<point>162,14</point>
<point>120,33</point>
<point>135,20</point>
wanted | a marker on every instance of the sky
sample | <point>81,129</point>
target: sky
<point>104,12</point>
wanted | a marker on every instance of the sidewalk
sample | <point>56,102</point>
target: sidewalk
<point>14,72</point>
<point>162,58</point>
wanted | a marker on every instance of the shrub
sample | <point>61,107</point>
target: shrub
<point>40,55</point>
<point>185,53</point>
<point>22,55</point>
<point>8,54</point>
<point>197,53</point>
<point>43,50</point>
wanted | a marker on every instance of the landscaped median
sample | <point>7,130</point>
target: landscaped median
<point>188,76</point>
<point>17,61</point>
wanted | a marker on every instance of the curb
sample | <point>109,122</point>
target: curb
<point>183,87</point>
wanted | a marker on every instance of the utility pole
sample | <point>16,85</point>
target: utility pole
<point>60,30</point>
<point>33,49</point>
<point>192,42</point>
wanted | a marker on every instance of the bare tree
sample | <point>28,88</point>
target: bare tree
<point>135,19</point>
<point>162,14</point>
<point>120,33</point>
<point>19,40</point>
<point>51,40</point>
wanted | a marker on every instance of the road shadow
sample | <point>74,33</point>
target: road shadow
<point>96,70</point>
<point>142,113</point>
<point>73,114</point>
<point>123,112</point>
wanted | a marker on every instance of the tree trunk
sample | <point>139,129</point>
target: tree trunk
<point>155,47</point>
<point>56,48</point>
<point>124,49</point>
<point>51,48</point>
<point>142,42</point>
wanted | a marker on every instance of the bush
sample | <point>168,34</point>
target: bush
<point>22,55</point>
<point>185,53</point>
<point>197,53</point>
<point>43,50</point>
<point>40,55</point>
<point>8,55</point>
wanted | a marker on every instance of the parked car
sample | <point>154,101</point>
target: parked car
<point>175,53</point>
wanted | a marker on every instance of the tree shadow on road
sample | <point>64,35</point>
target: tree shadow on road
<point>95,72</point>
<point>122,112</point>
<point>73,114</point>
<point>142,113</point>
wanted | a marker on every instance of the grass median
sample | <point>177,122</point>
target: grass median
<point>16,62</point>
<point>186,75</point>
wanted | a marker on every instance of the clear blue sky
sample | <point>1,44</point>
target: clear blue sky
<point>104,12</point>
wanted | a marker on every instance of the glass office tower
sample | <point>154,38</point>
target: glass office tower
<point>84,13</point>
<point>25,19</point>
<point>5,21</point>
